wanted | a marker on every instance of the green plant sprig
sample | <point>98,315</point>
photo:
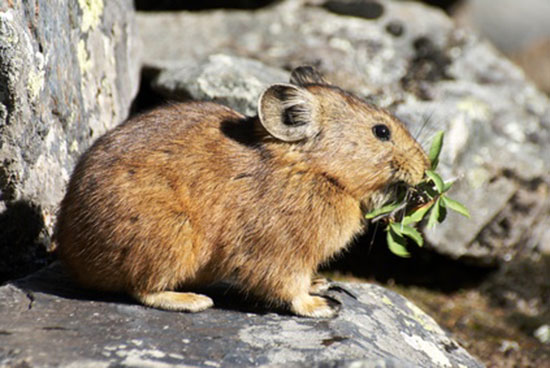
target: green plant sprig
<point>430,200</point>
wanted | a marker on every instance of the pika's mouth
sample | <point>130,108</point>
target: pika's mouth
<point>387,194</point>
<point>405,178</point>
<point>400,195</point>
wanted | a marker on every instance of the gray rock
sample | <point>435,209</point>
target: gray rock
<point>232,81</point>
<point>45,321</point>
<point>68,72</point>
<point>520,29</point>
<point>412,60</point>
<point>511,25</point>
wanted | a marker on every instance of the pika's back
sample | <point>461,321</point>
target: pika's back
<point>161,127</point>
<point>169,144</point>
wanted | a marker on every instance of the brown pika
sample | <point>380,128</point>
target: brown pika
<point>193,193</point>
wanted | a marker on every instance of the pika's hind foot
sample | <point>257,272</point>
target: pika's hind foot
<point>175,301</point>
<point>312,306</point>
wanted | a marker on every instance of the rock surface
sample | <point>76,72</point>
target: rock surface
<point>519,29</point>
<point>411,59</point>
<point>68,72</point>
<point>512,26</point>
<point>45,321</point>
<point>232,81</point>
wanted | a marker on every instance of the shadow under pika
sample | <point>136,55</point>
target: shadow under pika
<point>54,280</point>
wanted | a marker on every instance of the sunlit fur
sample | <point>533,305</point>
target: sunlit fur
<point>193,193</point>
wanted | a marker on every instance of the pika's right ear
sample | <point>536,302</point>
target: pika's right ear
<point>287,112</point>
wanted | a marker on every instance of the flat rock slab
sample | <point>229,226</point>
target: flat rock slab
<point>46,322</point>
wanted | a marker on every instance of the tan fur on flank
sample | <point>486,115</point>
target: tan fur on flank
<point>193,193</point>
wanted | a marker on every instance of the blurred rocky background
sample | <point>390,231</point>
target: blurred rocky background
<point>519,29</point>
<point>478,69</point>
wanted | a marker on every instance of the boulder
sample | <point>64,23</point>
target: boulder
<point>412,60</point>
<point>518,29</point>
<point>511,27</point>
<point>232,81</point>
<point>46,321</point>
<point>68,72</point>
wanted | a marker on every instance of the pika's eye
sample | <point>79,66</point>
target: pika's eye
<point>381,132</point>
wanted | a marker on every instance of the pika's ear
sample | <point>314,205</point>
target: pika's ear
<point>287,112</point>
<point>306,74</point>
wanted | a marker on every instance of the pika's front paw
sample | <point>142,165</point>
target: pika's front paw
<point>319,285</point>
<point>314,306</point>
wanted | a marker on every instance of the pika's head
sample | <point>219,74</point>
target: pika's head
<point>364,149</point>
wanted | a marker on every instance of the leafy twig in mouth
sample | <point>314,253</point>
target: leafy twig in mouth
<point>429,198</point>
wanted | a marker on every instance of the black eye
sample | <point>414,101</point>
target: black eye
<point>381,132</point>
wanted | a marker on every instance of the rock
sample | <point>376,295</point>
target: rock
<point>511,27</point>
<point>543,334</point>
<point>67,74</point>
<point>46,321</point>
<point>535,61</point>
<point>411,59</point>
<point>232,81</point>
<point>518,29</point>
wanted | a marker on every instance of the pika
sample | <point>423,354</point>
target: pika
<point>194,193</point>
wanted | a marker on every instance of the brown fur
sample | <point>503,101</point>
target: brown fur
<point>194,193</point>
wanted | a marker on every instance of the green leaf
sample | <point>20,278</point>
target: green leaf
<point>436,180</point>
<point>435,149</point>
<point>382,210</point>
<point>434,214</point>
<point>409,232</point>
<point>397,244</point>
<point>442,212</point>
<point>455,206</point>
<point>418,214</point>
<point>447,185</point>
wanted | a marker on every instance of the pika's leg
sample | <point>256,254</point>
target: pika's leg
<point>296,292</point>
<point>175,301</point>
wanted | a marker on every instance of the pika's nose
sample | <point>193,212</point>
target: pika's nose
<point>417,177</point>
<point>423,165</point>
<point>418,163</point>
